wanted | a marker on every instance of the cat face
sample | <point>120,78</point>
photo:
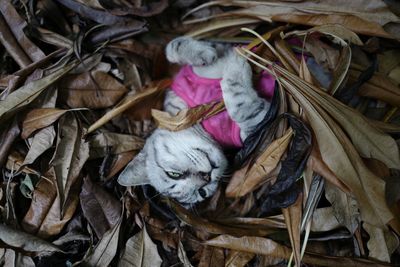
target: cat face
<point>185,165</point>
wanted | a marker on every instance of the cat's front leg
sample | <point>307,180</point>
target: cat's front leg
<point>242,102</point>
<point>186,50</point>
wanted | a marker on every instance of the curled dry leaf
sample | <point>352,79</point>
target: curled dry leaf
<point>140,251</point>
<point>187,117</point>
<point>243,183</point>
<point>39,118</point>
<point>95,89</point>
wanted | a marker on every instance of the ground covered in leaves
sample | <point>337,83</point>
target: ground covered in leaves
<point>81,87</point>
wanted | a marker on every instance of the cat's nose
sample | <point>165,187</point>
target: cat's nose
<point>206,176</point>
<point>202,193</point>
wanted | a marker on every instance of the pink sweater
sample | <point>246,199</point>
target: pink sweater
<point>196,90</point>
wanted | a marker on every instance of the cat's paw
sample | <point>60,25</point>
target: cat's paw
<point>185,50</point>
<point>237,69</point>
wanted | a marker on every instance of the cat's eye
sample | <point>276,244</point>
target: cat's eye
<point>174,175</point>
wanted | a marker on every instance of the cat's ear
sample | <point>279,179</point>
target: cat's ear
<point>135,172</point>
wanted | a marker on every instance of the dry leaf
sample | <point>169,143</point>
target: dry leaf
<point>130,101</point>
<point>27,93</point>
<point>187,117</point>
<point>140,251</point>
<point>292,217</point>
<point>212,257</point>
<point>25,242</point>
<point>106,248</point>
<point>243,183</point>
<point>100,208</point>
<point>70,155</point>
<point>44,215</point>
<point>39,118</point>
<point>95,89</point>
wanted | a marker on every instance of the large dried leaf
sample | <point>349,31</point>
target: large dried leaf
<point>27,93</point>
<point>153,90</point>
<point>187,117</point>
<point>39,118</point>
<point>140,251</point>
<point>265,246</point>
<point>100,208</point>
<point>292,217</point>
<point>70,155</point>
<point>106,248</point>
<point>25,242</point>
<point>44,217</point>
<point>241,185</point>
<point>211,227</point>
<point>95,89</point>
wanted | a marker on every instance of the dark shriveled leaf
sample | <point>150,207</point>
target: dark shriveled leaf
<point>100,208</point>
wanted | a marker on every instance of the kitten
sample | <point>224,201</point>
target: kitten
<point>186,165</point>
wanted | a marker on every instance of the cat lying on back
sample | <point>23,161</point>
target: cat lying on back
<point>186,165</point>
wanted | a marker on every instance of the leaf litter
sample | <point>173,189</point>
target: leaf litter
<point>81,93</point>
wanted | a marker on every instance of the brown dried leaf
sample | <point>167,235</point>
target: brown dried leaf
<point>70,155</point>
<point>44,215</point>
<point>244,182</point>
<point>39,118</point>
<point>100,208</point>
<point>265,246</point>
<point>212,257</point>
<point>95,89</point>
<point>106,248</point>
<point>292,217</point>
<point>130,101</point>
<point>140,251</point>
<point>187,117</point>
<point>207,226</point>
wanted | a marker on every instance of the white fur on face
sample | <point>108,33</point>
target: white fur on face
<point>190,152</point>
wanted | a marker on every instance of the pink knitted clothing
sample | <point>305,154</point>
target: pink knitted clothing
<point>195,90</point>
